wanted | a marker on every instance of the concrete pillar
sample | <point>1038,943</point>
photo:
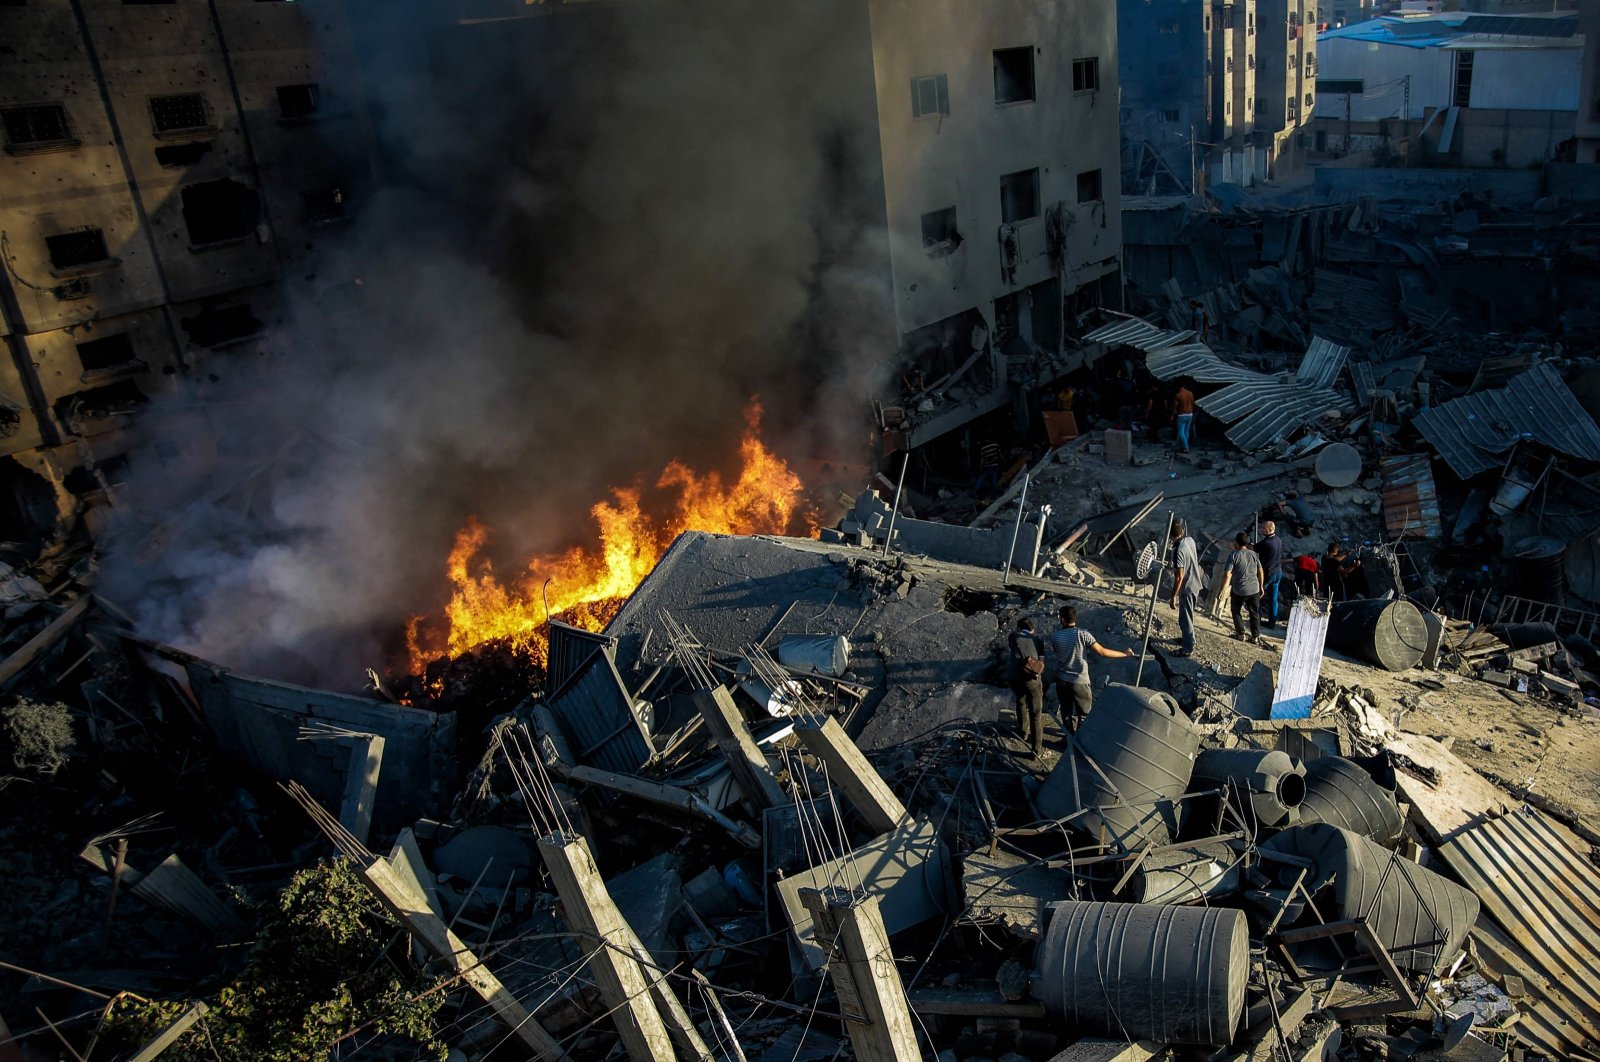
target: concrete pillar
<point>727,727</point>
<point>411,908</point>
<point>857,779</point>
<point>623,968</point>
<point>361,783</point>
<point>864,976</point>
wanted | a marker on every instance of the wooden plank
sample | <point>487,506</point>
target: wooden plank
<point>53,632</point>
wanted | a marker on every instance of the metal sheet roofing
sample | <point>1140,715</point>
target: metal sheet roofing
<point>596,715</point>
<point>1471,432</point>
<point>1323,361</point>
<point>1410,499</point>
<point>1134,332</point>
<point>1546,896</point>
<point>1451,29</point>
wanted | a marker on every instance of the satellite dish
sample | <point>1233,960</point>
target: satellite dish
<point>1147,559</point>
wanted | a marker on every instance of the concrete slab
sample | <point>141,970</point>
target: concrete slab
<point>907,869</point>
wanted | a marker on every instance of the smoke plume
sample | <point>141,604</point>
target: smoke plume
<point>597,234</point>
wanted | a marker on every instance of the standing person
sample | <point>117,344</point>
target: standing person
<point>1072,667</point>
<point>988,479</point>
<point>1027,682</point>
<point>1270,549</point>
<point>1307,575</point>
<point>1187,583</point>
<point>1183,405</point>
<point>1338,564</point>
<point>1198,320</point>
<point>1244,576</point>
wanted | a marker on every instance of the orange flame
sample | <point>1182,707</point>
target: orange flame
<point>587,586</point>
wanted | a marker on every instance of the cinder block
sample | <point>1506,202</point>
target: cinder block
<point>1119,446</point>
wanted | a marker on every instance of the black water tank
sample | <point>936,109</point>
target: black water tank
<point>1391,634</point>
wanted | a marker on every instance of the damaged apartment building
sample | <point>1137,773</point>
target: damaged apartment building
<point>1215,91</point>
<point>162,163</point>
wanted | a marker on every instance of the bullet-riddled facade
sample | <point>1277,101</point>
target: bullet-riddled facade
<point>161,163</point>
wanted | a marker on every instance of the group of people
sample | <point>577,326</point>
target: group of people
<point>1072,646</point>
<point>1254,574</point>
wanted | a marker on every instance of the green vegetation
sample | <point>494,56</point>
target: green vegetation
<point>321,973</point>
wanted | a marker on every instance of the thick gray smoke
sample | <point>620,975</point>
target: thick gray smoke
<point>598,235</point>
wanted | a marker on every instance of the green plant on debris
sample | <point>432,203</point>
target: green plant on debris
<point>329,968</point>
<point>39,734</point>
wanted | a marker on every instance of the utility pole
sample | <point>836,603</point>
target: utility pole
<point>864,976</point>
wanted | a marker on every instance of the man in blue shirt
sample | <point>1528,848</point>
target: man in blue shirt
<point>1072,667</point>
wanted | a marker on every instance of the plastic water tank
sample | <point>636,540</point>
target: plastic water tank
<point>1145,971</point>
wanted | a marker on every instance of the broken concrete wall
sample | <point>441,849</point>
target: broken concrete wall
<point>259,721</point>
<point>984,548</point>
<point>1508,186</point>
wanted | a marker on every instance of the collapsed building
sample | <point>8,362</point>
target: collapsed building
<point>779,808</point>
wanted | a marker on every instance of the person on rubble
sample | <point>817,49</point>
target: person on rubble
<point>1338,565</point>
<point>1187,582</point>
<point>1270,549</point>
<point>1198,320</point>
<point>1183,406</point>
<point>1243,577</point>
<point>1072,667</point>
<point>1027,682</point>
<point>988,480</point>
<point>1307,575</point>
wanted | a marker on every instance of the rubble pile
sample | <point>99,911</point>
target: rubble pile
<point>778,809</point>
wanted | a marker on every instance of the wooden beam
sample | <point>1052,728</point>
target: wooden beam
<point>856,778</point>
<point>851,931</point>
<point>411,908</point>
<point>727,727</point>
<point>55,631</point>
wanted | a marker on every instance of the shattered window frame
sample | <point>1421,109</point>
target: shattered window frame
<point>1091,181</point>
<point>1019,192</point>
<point>77,250</point>
<point>1010,80</point>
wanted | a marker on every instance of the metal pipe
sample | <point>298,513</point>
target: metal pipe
<point>894,510</point>
<point>1155,592</point>
<point>1022,506</point>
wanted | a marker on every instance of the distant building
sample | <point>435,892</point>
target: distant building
<point>1217,90</point>
<point>1470,89</point>
<point>1587,126</point>
<point>159,166</point>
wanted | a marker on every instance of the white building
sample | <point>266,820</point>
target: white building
<point>1486,89</point>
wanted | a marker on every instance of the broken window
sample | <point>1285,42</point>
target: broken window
<point>1089,186</point>
<point>939,230</point>
<point>1019,195</point>
<point>100,403</point>
<point>297,102</point>
<point>106,355</point>
<point>76,249</point>
<point>1230,64</point>
<point>930,95</point>
<point>1463,86</point>
<point>31,126</point>
<point>215,327</point>
<point>324,205</point>
<point>219,211</point>
<point>182,154</point>
<point>1085,75</point>
<point>178,114</point>
<point>1252,62</point>
<point>1013,75</point>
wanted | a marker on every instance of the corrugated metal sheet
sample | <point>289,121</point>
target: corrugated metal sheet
<point>570,649</point>
<point>596,714</point>
<point>1410,500</point>
<point>1302,661</point>
<point>1546,895</point>
<point>1135,332</point>
<point>1471,433</point>
<point>1323,361</point>
<point>1196,361</point>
